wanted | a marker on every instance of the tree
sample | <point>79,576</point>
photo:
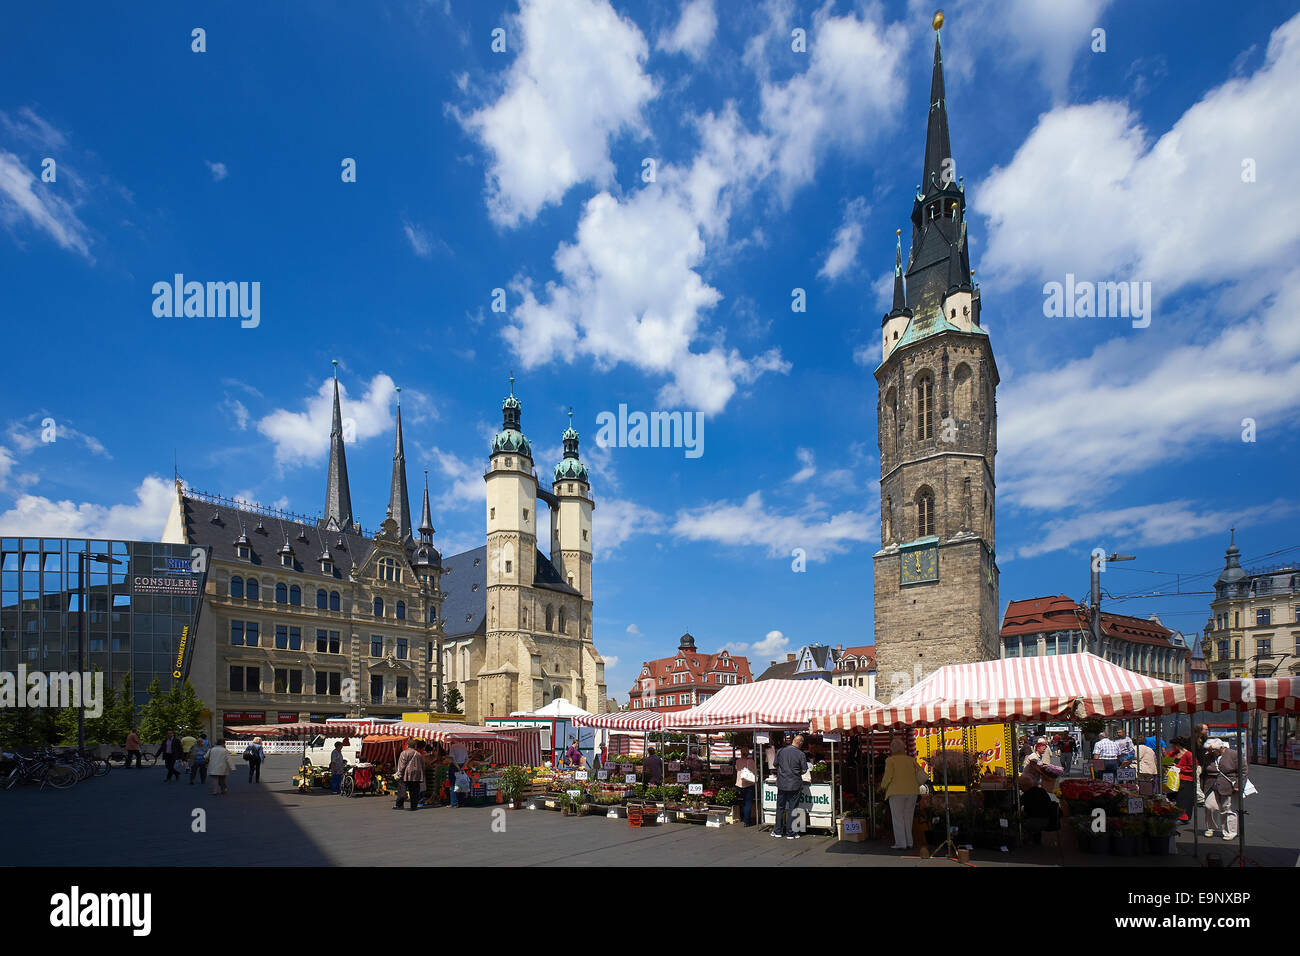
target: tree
<point>187,717</point>
<point>155,717</point>
<point>19,727</point>
<point>452,701</point>
<point>57,725</point>
<point>103,729</point>
<point>126,715</point>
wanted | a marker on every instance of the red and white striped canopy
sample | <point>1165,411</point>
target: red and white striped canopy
<point>1272,696</point>
<point>302,730</point>
<point>634,720</point>
<point>1016,688</point>
<point>769,703</point>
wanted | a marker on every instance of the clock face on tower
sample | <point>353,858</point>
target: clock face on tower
<point>919,565</point>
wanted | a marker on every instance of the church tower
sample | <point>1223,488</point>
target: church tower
<point>338,496</point>
<point>936,576</point>
<point>511,564</point>
<point>571,526</point>
<point>399,502</point>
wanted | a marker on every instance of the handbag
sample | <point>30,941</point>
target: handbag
<point>807,776</point>
<point>746,776</point>
<point>462,782</point>
<point>1172,780</point>
<point>922,778</point>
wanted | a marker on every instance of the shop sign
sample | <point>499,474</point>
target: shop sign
<point>288,718</point>
<point>167,583</point>
<point>814,799</point>
<point>243,717</point>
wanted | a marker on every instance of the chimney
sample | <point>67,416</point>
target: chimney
<point>789,658</point>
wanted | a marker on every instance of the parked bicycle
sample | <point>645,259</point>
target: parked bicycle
<point>147,757</point>
<point>39,769</point>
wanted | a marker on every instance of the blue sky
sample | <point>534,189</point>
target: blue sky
<point>774,170</point>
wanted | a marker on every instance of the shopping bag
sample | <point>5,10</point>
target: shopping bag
<point>462,782</point>
<point>1250,789</point>
<point>1171,780</point>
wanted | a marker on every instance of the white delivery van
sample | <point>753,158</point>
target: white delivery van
<point>320,748</point>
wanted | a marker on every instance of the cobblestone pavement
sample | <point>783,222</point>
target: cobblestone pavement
<point>133,818</point>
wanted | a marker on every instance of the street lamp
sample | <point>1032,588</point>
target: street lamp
<point>1098,559</point>
<point>83,568</point>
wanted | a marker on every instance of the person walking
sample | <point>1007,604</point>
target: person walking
<point>132,746</point>
<point>1107,752</point>
<point>901,788</point>
<point>219,766</point>
<point>1199,736</point>
<point>337,766</point>
<point>653,765</point>
<point>410,775</point>
<point>255,754</point>
<point>1222,796</point>
<point>1185,761</point>
<point>170,750</point>
<point>1067,752</point>
<point>199,759</point>
<point>1148,765</point>
<point>459,755</point>
<point>791,765</point>
<point>746,782</point>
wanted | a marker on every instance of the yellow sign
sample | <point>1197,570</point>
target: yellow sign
<point>990,743</point>
<point>433,718</point>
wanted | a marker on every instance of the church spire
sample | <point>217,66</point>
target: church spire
<point>938,150</point>
<point>399,502</point>
<point>426,519</point>
<point>338,497</point>
<point>900,294</point>
<point>426,555</point>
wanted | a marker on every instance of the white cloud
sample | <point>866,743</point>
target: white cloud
<point>1155,524</point>
<point>1068,432</point>
<point>28,434</point>
<point>809,468</point>
<point>773,646</point>
<point>844,254</point>
<point>853,86</point>
<point>617,521</point>
<point>304,437</point>
<point>633,630</point>
<point>750,523</point>
<point>611,661</point>
<point>218,170</point>
<point>630,286</point>
<point>466,488</point>
<point>1126,199</point>
<point>694,31</point>
<point>576,84</point>
<point>418,239</point>
<point>142,519</point>
<point>239,411</point>
<point>24,198</point>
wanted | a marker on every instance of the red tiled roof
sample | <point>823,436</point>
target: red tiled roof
<point>865,652</point>
<point>697,666</point>
<point>1059,613</point>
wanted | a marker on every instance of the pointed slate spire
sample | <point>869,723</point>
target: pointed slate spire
<point>338,496</point>
<point>426,519</point>
<point>399,502</point>
<point>938,149</point>
<point>900,295</point>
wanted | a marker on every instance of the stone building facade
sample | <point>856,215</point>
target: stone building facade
<point>1254,624</point>
<point>936,576</point>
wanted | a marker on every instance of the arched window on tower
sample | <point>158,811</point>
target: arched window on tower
<point>924,513</point>
<point>924,406</point>
<point>549,620</point>
<point>562,622</point>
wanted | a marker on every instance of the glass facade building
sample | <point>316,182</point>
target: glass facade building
<point>141,599</point>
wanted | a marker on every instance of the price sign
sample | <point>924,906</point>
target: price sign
<point>852,825</point>
<point>683,778</point>
<point>695,789</point>
<point>1127,773</point>
<point>1107,778</point>
<point>1002,821</point>
<point>602,774</point>
<point>1135,805</point>
<point>626,767</point>
<point>761,738</point>
<point>831,738</point>
<point>674,765</point>
<point>575,793</point>
<point>580,775</point>
<point>629,778</point>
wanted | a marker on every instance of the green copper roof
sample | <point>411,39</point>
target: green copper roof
<point>921,327</point>
<point>512,441</point>
<point>571,468</point>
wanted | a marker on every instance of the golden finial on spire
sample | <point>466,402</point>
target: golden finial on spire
<point>937,22</point>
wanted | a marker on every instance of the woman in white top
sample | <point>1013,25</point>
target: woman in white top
<point>746,763</point>
<point>219,766</point>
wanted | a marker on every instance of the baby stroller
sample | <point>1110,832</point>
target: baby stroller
<point>359,779</point>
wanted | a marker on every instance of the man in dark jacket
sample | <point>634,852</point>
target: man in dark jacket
<point>653,765</point>
<point>791,765</point>
<point>171,751</point>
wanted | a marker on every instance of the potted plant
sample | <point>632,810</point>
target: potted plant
<point>820,772</point>
<point>1126,837</point>
<point>514,781</point>
<point>1162,824</point>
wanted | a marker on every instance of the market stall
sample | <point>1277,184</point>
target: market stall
<point>767,707</point>
<point>1004,692</point>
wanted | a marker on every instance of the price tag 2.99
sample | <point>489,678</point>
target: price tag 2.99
<point>695,789</point>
